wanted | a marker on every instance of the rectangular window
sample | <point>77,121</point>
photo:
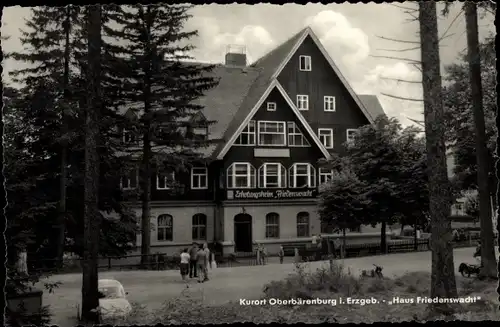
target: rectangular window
<point>302,102</point>
<point>247,136</point>
<point>325,135</point>
<point>329,103</point>
<point>199,231</point>
<point>272,133</point>
<point>130,179</point>
<point>164,180</point>
<point>325,175</point>
<point>199,178</point>
<point>164,228</point>
<point>303,224</point>
<point>305,63</point>
<point>271,106</point>
<point>200,133</point>
<point>350,133</point>
<point>128,137</point>
<point>295,136</point>
<point>272,225</point>
<point>302,175</point>
<point>241,175</point>
<point>272,175</point>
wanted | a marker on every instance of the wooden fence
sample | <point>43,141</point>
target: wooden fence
<point>161,261</point>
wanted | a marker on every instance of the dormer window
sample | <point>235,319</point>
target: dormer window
<point>271,106</point>
<point>305,63</point>
<point>200,133</point>
<point>128,136</point>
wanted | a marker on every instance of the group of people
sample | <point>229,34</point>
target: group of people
<point>195,262</point>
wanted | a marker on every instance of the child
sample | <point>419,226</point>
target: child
<point>281,253</point>
<point>185,257</point>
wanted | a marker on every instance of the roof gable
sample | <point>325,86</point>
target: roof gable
<point>241,124</point>
<point>298,41</point>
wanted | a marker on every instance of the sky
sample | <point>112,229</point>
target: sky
<point>353,35</point>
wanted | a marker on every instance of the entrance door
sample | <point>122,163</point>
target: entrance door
<point>243,233</point>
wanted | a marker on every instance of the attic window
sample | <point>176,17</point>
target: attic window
<point>271,106</point>
<point>305,63</point>
<point>128,136</point>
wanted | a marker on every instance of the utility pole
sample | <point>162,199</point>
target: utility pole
<point>90,298</point>
<point>443,282</point>
<point>488,260</point>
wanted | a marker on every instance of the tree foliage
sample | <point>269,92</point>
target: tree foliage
<point>389,165</point>
<point>459,117</point>
<point>157,88</point>
<point>35,139</point>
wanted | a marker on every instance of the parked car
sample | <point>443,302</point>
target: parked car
<point>113,301</point>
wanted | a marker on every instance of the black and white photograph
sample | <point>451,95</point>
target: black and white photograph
<point>181,163</point>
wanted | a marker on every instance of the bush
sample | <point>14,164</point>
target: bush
<point>325,283</point>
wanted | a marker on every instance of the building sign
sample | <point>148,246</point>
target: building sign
<point>271,194</point>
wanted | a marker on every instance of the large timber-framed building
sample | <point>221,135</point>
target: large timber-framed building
<point>276,118</point>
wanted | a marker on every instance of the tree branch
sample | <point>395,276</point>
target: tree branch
<point>404,8</point>
<point>396,40</point>
<point>402,98</point>
<point>400,50</point>
<point>416,62</point>
<point>400,80</point>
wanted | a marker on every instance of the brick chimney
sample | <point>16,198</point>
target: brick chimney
<point>236,56</point>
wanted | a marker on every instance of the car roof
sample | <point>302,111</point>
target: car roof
<point>108,282</point>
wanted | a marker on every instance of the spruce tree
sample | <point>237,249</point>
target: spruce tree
<point>149,49</point>
<point>47,94</point>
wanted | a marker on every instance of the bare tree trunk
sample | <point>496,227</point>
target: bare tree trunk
<point>443,282</point>
<point>64,146</point>
<point>488,259</point>
<point>146,150</point>
<point>90,298</point>
<point>415,238</point>
<point>383,237</point>
<point>146,198</point>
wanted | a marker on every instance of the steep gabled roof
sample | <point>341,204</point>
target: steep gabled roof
<point>309,32</point>
<point>243,117</point>
<point>372,105</point>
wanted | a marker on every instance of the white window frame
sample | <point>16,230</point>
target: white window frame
<point>276,225</point>
<point>302,98</point>
<point>247,130</point>
<point>251,178</point>
<point>158,227</point>
<point>128,178</point>
<point>263,172</point>
<point>271,106</point>
<point>311,175</point>
<point>324,175</point>
<point>329,103</point>
<point>322,137</point>
<point>199,226</point>
<point>201,177</point>
<point>349,139</point>
<point>125,133</point>
<point>307,224</point>
<point>307,60</point>
<point>259,127</point>
<point>172,175</point>
<point>296,131</point>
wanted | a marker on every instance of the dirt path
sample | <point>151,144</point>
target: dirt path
<point>152,288</point>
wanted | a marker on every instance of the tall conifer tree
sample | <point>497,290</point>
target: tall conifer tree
<point>156,83</point>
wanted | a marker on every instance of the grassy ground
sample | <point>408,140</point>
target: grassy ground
<point>335,284</point>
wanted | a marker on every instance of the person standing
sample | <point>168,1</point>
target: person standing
<point>208,261</point>
<point>201,262</point>
<point>192,261</point>
<point>185,260</point>
<point>281,253</point>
